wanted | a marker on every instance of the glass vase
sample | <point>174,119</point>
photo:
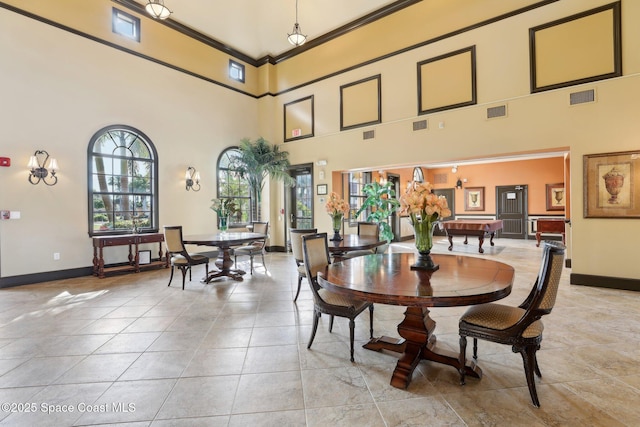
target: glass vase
<point>336,223</point>
<point>224,224</point>
<point>423,231</point>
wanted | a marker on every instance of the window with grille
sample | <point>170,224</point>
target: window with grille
<point>357,181</point>
<point>232,186</point>
<point>123,182</point>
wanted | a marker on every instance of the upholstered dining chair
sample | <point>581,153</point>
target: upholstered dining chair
<point>316,257</point>
<point>365,229</point>
<point>520,326</point>
<point>296,248</point>
<point>368,229</point>
<point>179,256</point>
<point>256,247</point>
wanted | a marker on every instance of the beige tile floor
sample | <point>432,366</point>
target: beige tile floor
<point>128,350</point>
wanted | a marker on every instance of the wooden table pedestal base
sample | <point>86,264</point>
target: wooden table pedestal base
<point>418,344</point>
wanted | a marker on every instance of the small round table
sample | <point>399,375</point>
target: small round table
<point>389,279</point>
<point>223,241</point>
<point>352,242</point>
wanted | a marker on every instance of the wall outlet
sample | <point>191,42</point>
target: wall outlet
<point>56,256</point>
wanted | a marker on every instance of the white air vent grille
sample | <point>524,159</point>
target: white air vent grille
<point>368,134</point>
<point>498,111</point>
<point>582,97</point>
<point>419,125</point>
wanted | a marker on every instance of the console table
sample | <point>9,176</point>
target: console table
<point>551,226</point>
<point>133,241</point>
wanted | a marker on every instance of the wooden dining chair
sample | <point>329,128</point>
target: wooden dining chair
<point>316,257</point>
<point>296,248</point>
<point>520,326</point>
<point>178,253</point>
<point>256,247</point>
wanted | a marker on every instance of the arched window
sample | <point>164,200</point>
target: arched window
<point>232,186</point>
<point>123,182</point>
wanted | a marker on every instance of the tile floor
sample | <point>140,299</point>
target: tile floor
<point>128,350</point>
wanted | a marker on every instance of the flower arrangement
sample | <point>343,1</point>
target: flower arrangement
<point>336,206</point>
<point>421,204</point>
<point>224,207</point>
<point>424,208</point>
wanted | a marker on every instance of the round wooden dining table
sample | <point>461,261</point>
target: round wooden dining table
<point>389,279</point>
<point>224,241</point>
<point>352,242</point>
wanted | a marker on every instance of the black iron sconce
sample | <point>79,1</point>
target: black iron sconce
<point>41,170</point>
<point>192,179</point>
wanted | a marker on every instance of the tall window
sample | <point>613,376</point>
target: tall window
<point>357,181</point>
<point>232,186</point>
<point>123,182</point>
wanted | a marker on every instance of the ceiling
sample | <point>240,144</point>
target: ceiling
<point>259,28</point>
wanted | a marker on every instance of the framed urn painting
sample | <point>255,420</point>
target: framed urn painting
<point>555,197</point>
<point>474,199</point>
<point>610,185</point>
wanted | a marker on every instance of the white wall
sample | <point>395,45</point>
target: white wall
<point>58,89</point>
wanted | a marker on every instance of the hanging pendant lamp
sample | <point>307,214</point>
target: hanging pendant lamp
<point>157,9</point>
<point>296,38</point>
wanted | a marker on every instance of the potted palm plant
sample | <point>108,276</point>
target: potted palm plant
<point>380,204</point>
<point>257,161</point>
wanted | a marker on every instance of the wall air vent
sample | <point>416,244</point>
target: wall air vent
<point>419,125</point>
<point>582,97</point>
<point>368,134</point>
<point>495,112</point>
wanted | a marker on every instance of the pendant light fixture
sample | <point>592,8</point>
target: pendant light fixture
<point>296,38</point>
<point>157,9</point>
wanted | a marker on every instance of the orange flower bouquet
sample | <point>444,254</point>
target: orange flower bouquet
<point>424,209</point>
<point>337,208</point>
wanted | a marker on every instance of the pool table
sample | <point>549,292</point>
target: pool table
<point>472,227</point>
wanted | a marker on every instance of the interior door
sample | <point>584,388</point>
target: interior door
<point>300,200</point>
<point>450,195</point>
<point>511,208</point>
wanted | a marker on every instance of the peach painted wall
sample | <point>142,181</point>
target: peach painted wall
<point>535,174</point>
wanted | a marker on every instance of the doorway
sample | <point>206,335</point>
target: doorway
<point>450,195</point>
<point>395,218</point>
<point>300,197</point>
<point>511,208</point>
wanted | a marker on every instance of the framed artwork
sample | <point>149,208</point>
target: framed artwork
<point>361,103</point>
<point>299,119</point>
<point>555,197</point>
<point>447,81</point>
<point>577,49</point>
<point>474,199</point>
<point>610,185</point>
<point>321,189</point>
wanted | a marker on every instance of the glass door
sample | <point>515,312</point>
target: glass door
<point>300,206</point>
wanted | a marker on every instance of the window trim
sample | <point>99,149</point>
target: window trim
<point>155,197</point>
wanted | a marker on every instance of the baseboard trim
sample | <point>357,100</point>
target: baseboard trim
<point>29,279</point>
<point>605,282</point>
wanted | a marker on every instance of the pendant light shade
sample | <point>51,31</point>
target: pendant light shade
<point>296,37</point>
<point>157,9</point>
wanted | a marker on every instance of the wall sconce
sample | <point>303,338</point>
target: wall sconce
<point>459,183</point>
<point>454,169</point>
<point>192,179</point>
<point>38,165</point>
